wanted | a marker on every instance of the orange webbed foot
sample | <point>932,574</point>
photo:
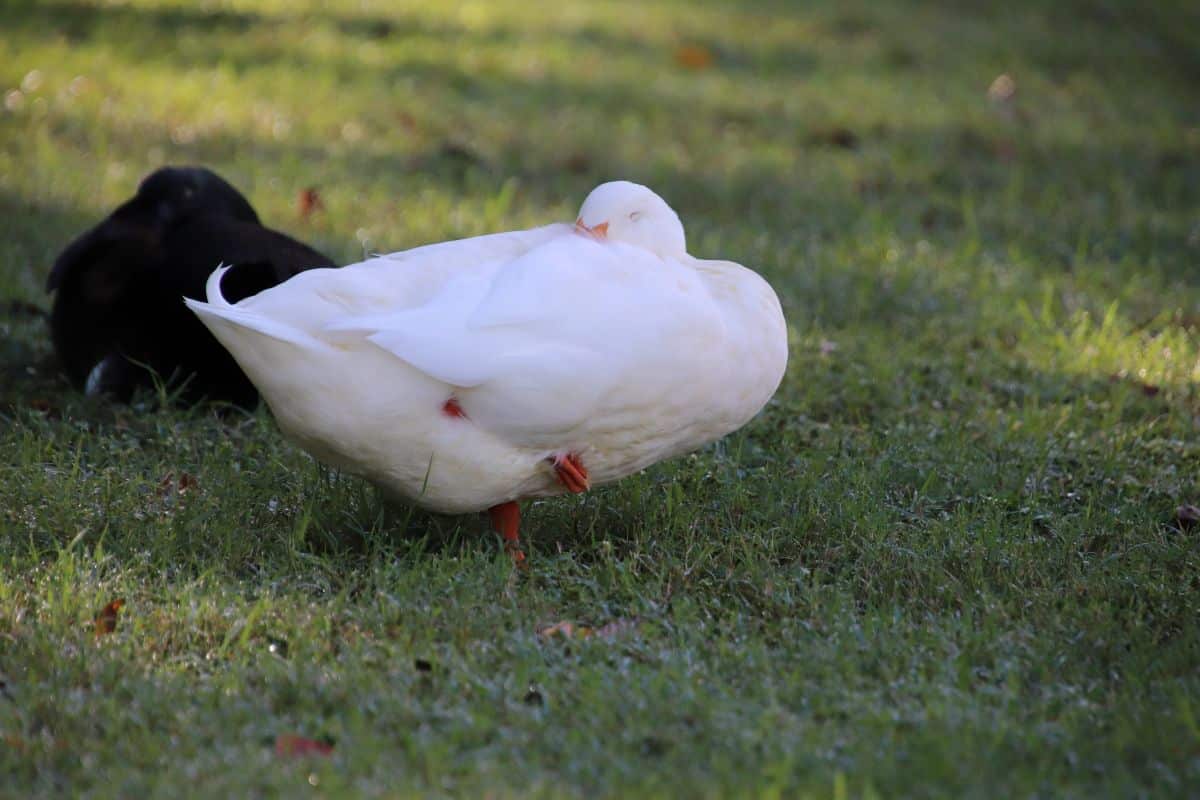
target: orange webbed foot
<point>506,519</point>
<point>571,472</point>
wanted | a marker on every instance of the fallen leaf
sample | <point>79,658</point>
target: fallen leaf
<point>1187,516</point>
<point>289,745</point>
<point>577,163</point>
<point>308,202</point>
<point>1150,390</point>
<point>836,136</point>
<point>1002,93</point>
<point>844,138</point>
<point>169,486</point>
<point>1003,89</point>
<point>43,406</point>
<point>569,630</point>
<point>106,618</point>
<point>693,56</point>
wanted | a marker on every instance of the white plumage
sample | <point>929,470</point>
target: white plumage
<point>453,375</point>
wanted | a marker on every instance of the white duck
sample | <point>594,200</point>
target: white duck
<point>470,374</point>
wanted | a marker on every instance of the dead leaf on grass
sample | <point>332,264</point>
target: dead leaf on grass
<point>577,163</point>
<point>308,202</point>
<point>693,56</point>
<point>289,745</point>
<point>170,486</point>
<point>1003,89</point>
<point>569,630</point>
<point>836,136</point>
<point>44,406</point>
<point>106,618</point>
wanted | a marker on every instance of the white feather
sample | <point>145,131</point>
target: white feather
<point>549,340</point>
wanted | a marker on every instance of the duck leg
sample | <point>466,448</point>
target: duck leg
<point>506,518</point>
<point>571,472</point>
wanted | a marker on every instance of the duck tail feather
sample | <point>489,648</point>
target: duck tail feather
<point>219,309</point>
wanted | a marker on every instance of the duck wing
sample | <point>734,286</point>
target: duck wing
<point>562,333</point>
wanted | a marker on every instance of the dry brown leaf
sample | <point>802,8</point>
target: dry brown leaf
<point>309,202</point>
<point>106,618</point>
<point>836,136</point>
<point>577,163</point>
<point>569,630</point>
<point>289,745</point>
<point>693,56</point>
<point>43,406</point>
<point>1003,89</point>
<point>169,486</point>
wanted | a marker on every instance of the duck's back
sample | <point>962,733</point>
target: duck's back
<point>541,342</point>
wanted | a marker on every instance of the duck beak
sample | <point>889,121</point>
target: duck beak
<point>599,231</point>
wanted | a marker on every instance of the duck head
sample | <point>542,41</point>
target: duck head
<point>622,211</point>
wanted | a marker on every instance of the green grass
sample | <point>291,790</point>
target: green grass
<point>943,562</point>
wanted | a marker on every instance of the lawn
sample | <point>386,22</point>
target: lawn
<point>946,560</point>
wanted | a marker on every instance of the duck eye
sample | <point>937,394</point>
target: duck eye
<point>634,216</point>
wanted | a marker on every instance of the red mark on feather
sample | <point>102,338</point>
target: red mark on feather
<point>451,408</point>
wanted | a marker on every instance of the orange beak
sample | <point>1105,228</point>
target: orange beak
<point>599,231</point>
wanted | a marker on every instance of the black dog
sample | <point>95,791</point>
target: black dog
<point>119,320</point>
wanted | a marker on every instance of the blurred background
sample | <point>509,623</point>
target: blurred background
<point>1063,125</point>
